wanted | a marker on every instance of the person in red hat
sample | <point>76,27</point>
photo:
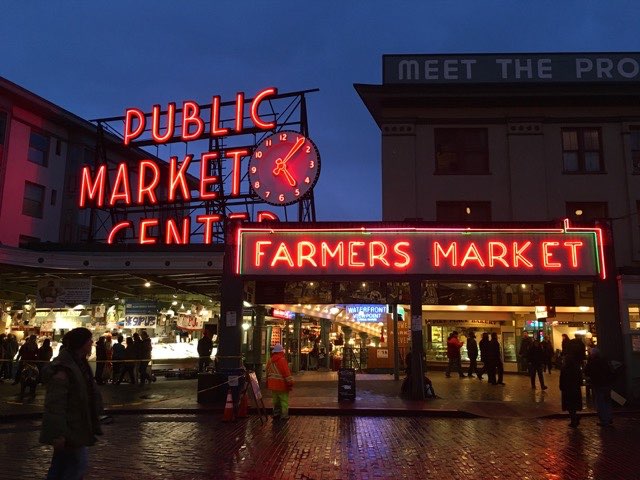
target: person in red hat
<point>280,382</point>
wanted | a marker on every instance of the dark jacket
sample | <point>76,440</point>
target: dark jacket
<point>493,352</point>
<point>472,348</point>
<point>570,383</point>
<point>598,371</point>
<point>45,353</point>
<point>536,354</point>
<point>68,412</point>
<point>576,349</point>
<point>525,345</point>
<point>117,351</point>
<point>146,349</point>
<point>484,349</point>
<point>205,347</point>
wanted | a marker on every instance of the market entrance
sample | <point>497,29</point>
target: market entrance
<point>440,278</point>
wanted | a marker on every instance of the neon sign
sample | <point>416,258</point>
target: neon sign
<point>374,250</point>
<point>149,182</point>
<point>364,313</point>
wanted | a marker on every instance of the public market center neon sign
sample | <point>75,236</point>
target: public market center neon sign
<point>143,187</point>
<point>566,251</point>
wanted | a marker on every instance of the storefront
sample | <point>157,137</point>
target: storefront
<point>503,279</point>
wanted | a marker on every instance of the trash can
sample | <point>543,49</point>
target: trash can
<point>346,384</point>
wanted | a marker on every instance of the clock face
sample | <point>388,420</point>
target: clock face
<point>284,167</point>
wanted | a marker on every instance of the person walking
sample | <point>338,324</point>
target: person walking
<point>129,364</point>
<point>28,353</point>
<point>472,352</point>
<point>117,356</point>
<point>570,388</point>
<point>11,349</point>
<point>45,352</point>
<point>536,360</point>
<point>484,354</point>
<point>565,344</point>
<point>205,347</point>
<point>101,360</point>
<point>72,407</point>
<point>548,355</point>
<point>137,350</point>
<point>601,376</point>
<point>280,382</point>
<point>523,352</point>
<point>146,348</point>
<point>453,354</point>
<point>495,356</point>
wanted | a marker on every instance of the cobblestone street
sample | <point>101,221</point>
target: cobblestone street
<point>200,446</point>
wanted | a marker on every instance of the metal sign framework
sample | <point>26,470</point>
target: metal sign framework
<point>287,110</point>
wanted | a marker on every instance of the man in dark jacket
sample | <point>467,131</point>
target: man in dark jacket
<point>601,376</point>
<point>72,406</point>
<point>205,347</point>
<point>495,360</point>
<point>472,352</point>
<point>523,353</point>
<point>536,362</point>
<point>484,355</point>
<point>145,357</point>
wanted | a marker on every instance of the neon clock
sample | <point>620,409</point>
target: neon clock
<point>284,167</point>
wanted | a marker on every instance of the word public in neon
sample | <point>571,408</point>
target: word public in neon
<point>372,250</point>
<point>190,122</point>
<point>148,182</point>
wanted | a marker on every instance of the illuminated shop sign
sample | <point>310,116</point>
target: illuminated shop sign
<point>286,314</point>
<point>370,250</point>
<point>367,313</point>
<point>512,68</point>
<point>148,182</point>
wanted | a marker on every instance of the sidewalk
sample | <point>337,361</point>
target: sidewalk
<point>316,393</point>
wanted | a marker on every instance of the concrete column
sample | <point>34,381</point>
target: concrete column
<point>396,353</point>
<point>417,347</point>
<point>230,325</point>
<point>259,336</point>
<point>325,328</point>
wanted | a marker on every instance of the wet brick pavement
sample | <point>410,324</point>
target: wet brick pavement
<point>200,446</point>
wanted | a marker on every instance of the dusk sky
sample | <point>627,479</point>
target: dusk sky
<point>98,58</point>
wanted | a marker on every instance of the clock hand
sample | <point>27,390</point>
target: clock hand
<point>294,149</point>
<point>282,168</point>
<point>287,175</point>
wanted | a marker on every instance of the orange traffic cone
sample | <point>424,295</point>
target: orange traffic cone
<point>228,415</point>
<point>243,409</point>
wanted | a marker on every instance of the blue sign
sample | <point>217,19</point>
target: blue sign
<point>141,308</point>
<point>367,313</point>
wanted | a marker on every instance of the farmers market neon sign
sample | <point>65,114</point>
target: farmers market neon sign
<point>566,251</point>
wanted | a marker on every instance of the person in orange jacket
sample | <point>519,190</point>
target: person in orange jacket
<point>280,382</point>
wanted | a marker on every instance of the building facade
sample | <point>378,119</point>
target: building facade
<point>512,139</point>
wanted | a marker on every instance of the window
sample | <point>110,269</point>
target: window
<point>38,149</point>
<point>581,150</point>
<point>33,201</point>
<point>586,211</point>
<point>463,211</point>
<point>461,151</point>
<point>634,140</point>
<point>54,196</point>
